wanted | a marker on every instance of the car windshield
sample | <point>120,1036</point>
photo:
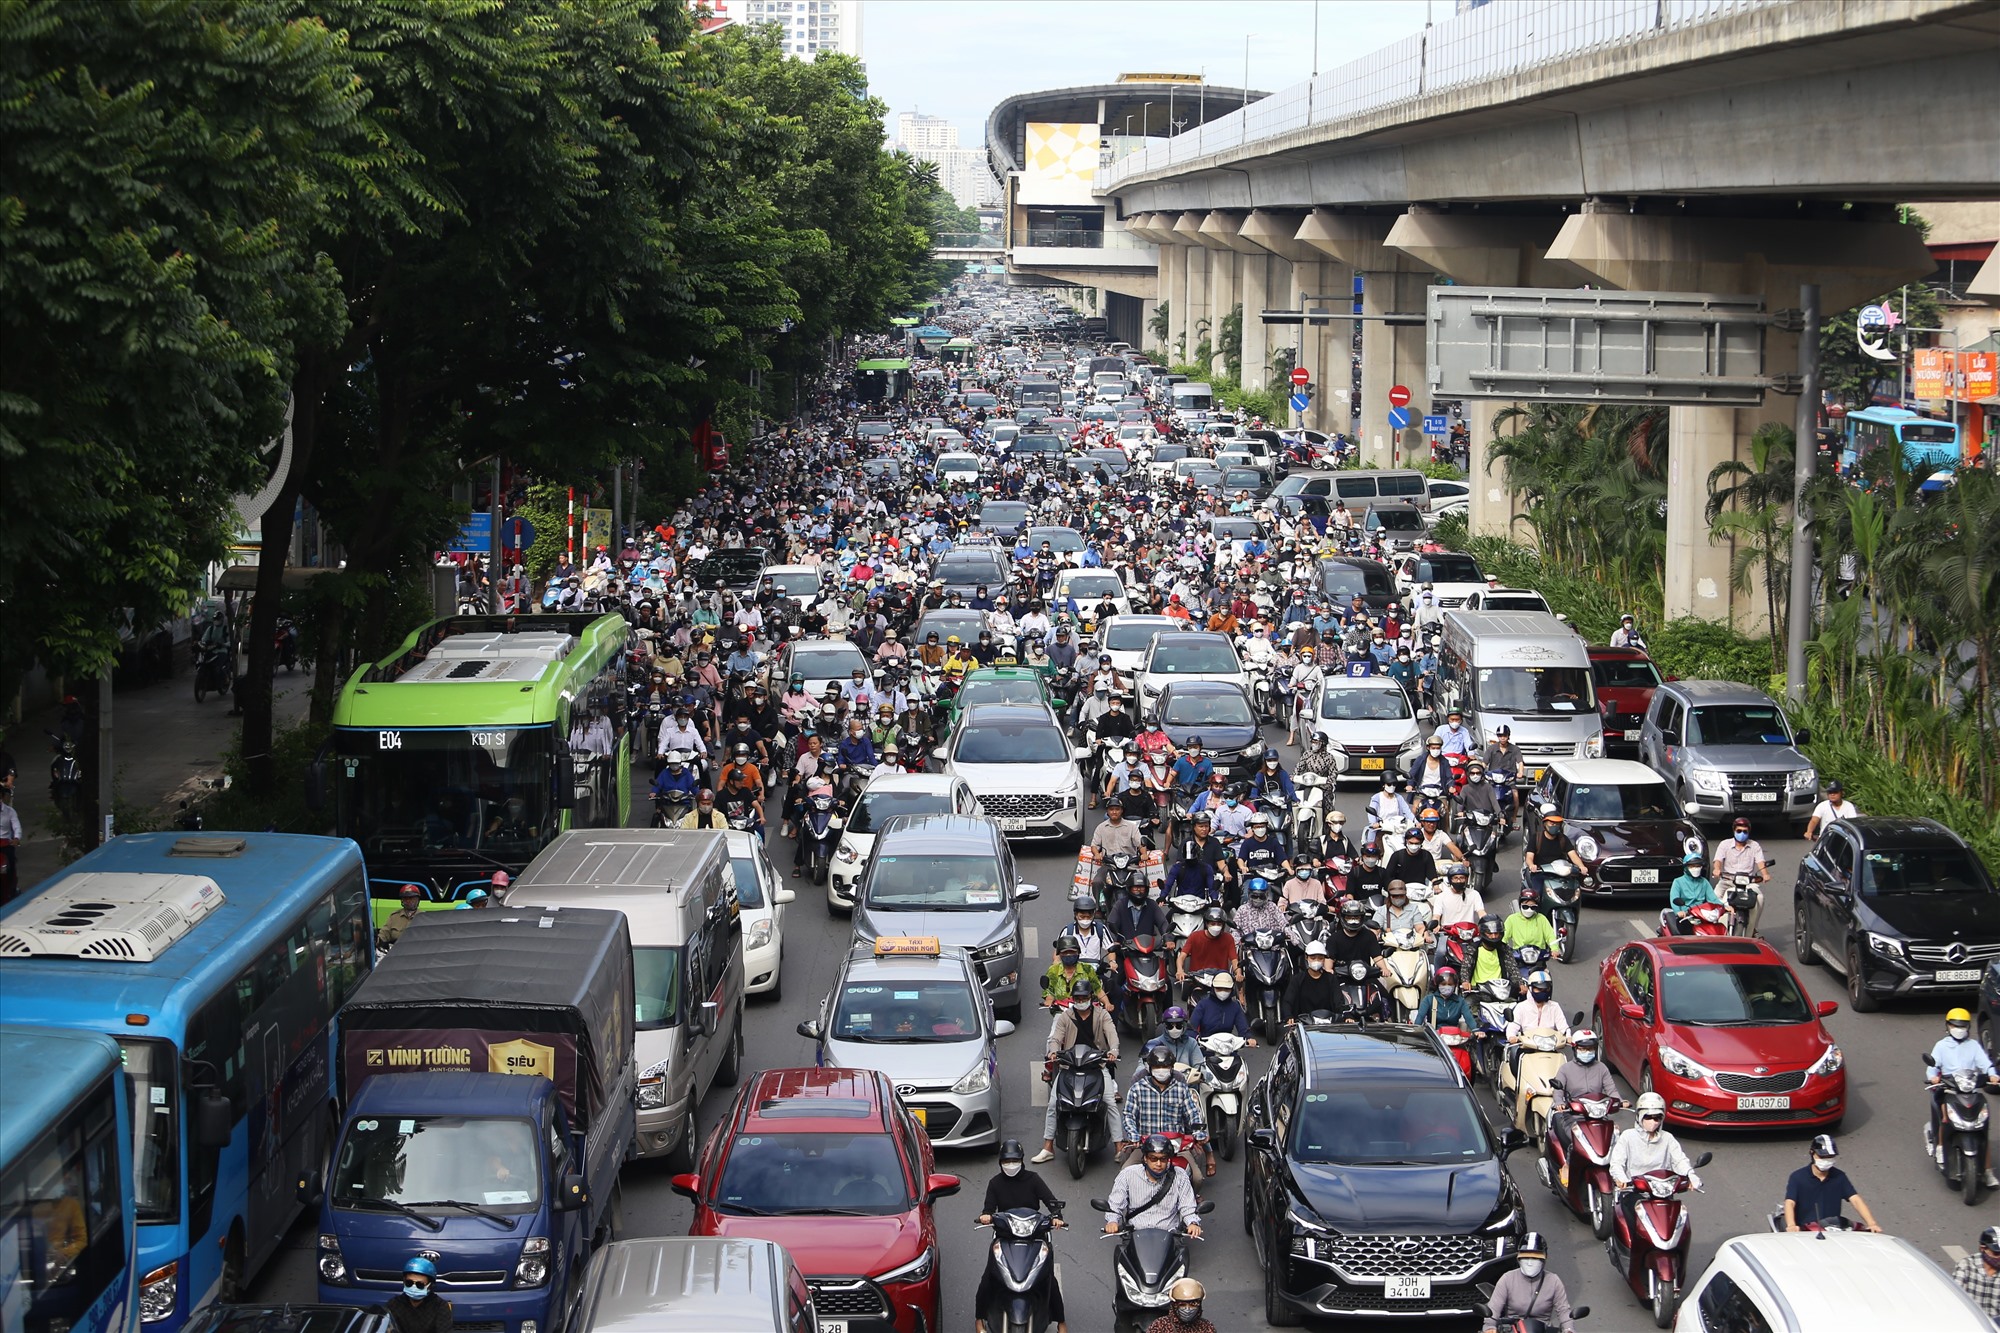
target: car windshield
<point>1449,569</point>
<point>1008,512</point>
<point>935,884</point>
<point>1738,724</point>
<point>1131,636</point>
<point>1004,690</point>
<point>1397,520</point>
<point>1388,1125</point>
<point>1344,704</point>
<point>1523,690</point>
<point>1906,870</point>
<point>879,805</point>
<point>415,1160</point>
<point>1094,585</point>
<point>817,662</point>
<point>1732,995</point>
<point>795,583</point>
<point>444,790</point>
<point>1622,802</point>
<point>656,985</point>
<point>1188,659</point>
<point>777,1174</point>
<point>1621,674</point>
<point>965,624</point>
<point>749,890</point>
<point>1347,582</point>
<point>1207,710</point>
<point>899,1012</point>
<point>1059,539</point>
<point>1170,453</point>
<point>1026,743</point>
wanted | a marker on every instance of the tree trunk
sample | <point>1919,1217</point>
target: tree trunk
<point>276,530</point>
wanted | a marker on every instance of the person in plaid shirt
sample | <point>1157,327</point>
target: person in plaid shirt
<point>1979,1274</point>
<point>1161,1103</point>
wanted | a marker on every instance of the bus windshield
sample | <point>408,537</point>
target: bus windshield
<point>156,1140</point>
<point>1527,690</point>
<point>446,789</point>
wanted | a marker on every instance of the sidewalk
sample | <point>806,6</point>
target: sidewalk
<point>163,743</point>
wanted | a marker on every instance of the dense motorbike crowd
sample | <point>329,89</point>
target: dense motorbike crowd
<point>1212,913</point>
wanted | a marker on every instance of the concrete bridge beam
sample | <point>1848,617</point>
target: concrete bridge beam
<point>1232,257</point>
<point>1275,234</point>
<point>1392,283</point>
<point>1851,261</point>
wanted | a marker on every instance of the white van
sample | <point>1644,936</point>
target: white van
<point>1192,396</point>
<point>678,894</point>
<point>1525,671</point>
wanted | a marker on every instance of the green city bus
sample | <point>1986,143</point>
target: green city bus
<point>476,742</point>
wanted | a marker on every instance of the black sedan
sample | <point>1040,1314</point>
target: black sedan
<point>1218,713</point>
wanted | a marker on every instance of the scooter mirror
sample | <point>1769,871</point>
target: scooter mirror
<point>1703,1159</point>
<point>1100,1205</point>
<point>1205,1207</point>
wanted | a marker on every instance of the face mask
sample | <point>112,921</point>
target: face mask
<point>1316,963</point>
<point>1694,871</point>
<point>1187,1314</point>
<point>1447,991</point>
<point>1541,994</point>
<point>1528,909</point>
<point>1010,1168</point>
<point>1531,1268</point>
<point>1586,1057</point>
<point>1741,836</point>
<point>415,1292</point>
<point>1162,1075</point>
<point>1230,802</point>
<point>1823,1164</point>
<point>1214,931</point>
<point>1958,1031</point>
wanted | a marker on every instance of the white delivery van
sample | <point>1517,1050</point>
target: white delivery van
<point>1526,671</point>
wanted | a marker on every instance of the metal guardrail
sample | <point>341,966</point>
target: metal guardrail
<point>1502,38</point>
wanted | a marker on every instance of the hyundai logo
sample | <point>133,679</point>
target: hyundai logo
<point>906,1089</point>
<point>1408,1246</point>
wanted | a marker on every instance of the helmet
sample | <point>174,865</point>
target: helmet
<point>1533,1244</point>
<point>1068,943</point>
<point>1352,912</point>
<point>1540,981</point>
<point>476,896</point>
<point>1174,1014</point>
<point>1223,985</point>
<point>1491,927</point>
<point>1083,900</point>
<point>1159,1058</point>
<point>1257,885</point>
<point>1824,1146</point>
<point>1010,1151</point>
<point>1958,1016</point>
<point>1186,1289</point>
<point>1082,989</point>
<point>499,879</point>
<point>1530,894</point>
<point>1157,1145</point>
<point>1989,1239</point>
<point>416,1263</point>
<point>1583,1037</point>
<point>1213,914</point>
<point>1650,1102</point>
<point>1551,816</point>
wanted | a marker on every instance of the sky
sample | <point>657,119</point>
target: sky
<point>957,58</point>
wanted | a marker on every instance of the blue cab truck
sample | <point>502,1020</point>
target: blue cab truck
<point>489,1100</point>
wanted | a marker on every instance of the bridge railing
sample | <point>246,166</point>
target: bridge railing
<point>1502,38</point>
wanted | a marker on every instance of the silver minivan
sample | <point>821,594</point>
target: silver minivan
<point>1525,671</point>
<point>676,1284</point>
<point>678,893</point>
<point>1728,749</point>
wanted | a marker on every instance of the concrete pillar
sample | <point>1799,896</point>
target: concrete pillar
<point>1256,339</point>
<point>1188,226</point>
<point>1286,276</point>
<point>1851,261</point>
<point>1158,229</point>
<point>1392,283</point>
<point>1491,505</point>
<point>1222,300</point>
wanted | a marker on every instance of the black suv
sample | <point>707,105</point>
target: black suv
<point>1900,906</point>
<point>736,568</point>
<point>1375,1186</point>
<point>969,568</point>
<point>1342,577</point>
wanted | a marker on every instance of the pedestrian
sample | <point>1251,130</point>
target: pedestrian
<point>10,844</point>
<point>1835,806</point>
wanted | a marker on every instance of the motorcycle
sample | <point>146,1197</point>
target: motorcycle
<point>1022,1262</point>
<point>1078,1088</point>
<point>1143,969</point>
<point>1120,870</point>
<point>214,670</point>
<point>286,648</point>
<point>1541,1056</point>
<point>1309,814</point>
<point>1479,838</point>
<point>1653,1258</point>
<point>1267,968</point>
<point>1705,920</point>
<point>669,808</point>
<point>1741,899</point>
<point>1148,1262</point>
<point>1220,1089</point>
<point>1461,941</point>
<point>1410,965</point>
<point>1459,1043</point>
<point>819,826</point>
<point>1360,992</point>
<point>65,773</point>
<point>1561,895</point>
<point>1965,1123</point>
<point>1577,1166</point>
<point>1492,1001</point>
<point>1185,916</point>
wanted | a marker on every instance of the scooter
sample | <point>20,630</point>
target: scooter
<point>1965,1122</point>
<point>1577,1166</point>
<point>214,670</point>
<point>1479,838</point>
<point>1185,918</point>
<point>1653,1257</point>
<point>1022,1262</point>
<point>1148,1262</point>
<point>1459,1043</point>
<point>669,808</point>
<point>1741,897</point>
<point>1077,1087</point>
<point>1361,999</point>
<point>1410,965</point>
<point>65,773</point>
<point>1309,814</point>
<point>287,645</point>
<point>1267,967</point>
<point>1561,894</point>
<point>1540,1058</point>
<point>1307,921</point>
<point>1221,1091</point>
<point>1705,920</point>
<point>819,827</point>
<point>1492,1001</point>
<point>1143,969</point>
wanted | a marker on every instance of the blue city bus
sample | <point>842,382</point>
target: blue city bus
<point>216,961</point>
<point>65,1184</point>
<point>1930,447</point>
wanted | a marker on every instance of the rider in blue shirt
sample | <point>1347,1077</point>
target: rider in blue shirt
<point>1955,1053</point>
<point>1192,770</point>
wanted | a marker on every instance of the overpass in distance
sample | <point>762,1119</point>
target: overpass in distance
<point>1724,146</point>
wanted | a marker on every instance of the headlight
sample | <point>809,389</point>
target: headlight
<point>1828,1063</point>
<point>1884,944</point>
<point>533,1270</point>
<point>977,1079</point>
<point>159,1291</point>
<point>1254,748</point>
<point>845,853</point>
<point>332,1267</point>
<point>760,933</point>
<point>1680,1066</point>
<point>1510,1215</point>
<point>1707,779</point>
<point>652,1093</point>
<point>1804,779</point>
<point>1594,747</point>
<point>1586,847</point>
<point>916,1270</point>
<point>1001,949</point>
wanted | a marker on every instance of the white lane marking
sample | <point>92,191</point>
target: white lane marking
<point>1031,946</point>
<point>1953,1253</point>
<point>1038,1091</point>
<point>1641,928</point>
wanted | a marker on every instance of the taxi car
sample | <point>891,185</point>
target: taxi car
<point>916,1010</point>
<point>830,1165</point>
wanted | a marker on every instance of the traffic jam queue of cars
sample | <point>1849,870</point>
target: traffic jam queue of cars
<point>1043,596</point>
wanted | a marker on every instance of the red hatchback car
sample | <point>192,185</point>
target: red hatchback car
<point>1625,679</point>
<point>1723,1030</point>
<point>828,1163</point>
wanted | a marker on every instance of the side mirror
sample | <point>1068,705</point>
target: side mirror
<point>1424,715</point>
<point>1576,1019</point>
<point>571,1196</point>
<point>687,1186</point>
<point>784,896</point>
<point>711,1012</point>
<point>1512,1140</point>
<point>1580,1312</point>
<point>1025,892</point>
<point>1930,1062</point>
<point>214,1120</point>
<point>1702,1160</point>
<point>1079,752</point>
<point>1100,1205</point>
<point>938,1187</point>
<point>1003,1028</point>
<point>1803,736</point>
<point>1264,1140</point>
<point>811,1029</point>
<point>1635,1012</point>
<point>1827,1008</point>
<point>1691,807</point>
<point>311,1189</point>
<point>1205,1207</point>
<point>1670,737</point>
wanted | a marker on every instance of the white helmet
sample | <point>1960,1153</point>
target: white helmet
<point>1650,1102</point>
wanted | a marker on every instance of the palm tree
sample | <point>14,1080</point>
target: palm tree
<point>1749,505</point>
<point>1158,324</point>
<point>1962,572</point>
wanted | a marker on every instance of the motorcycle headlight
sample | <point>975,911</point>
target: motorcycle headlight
<point>533,1269</point>
<point>1829,1062</point>
<point>977,1079</point>
<point>760,933</point>
<point>1884,944</point>
<point>916,1270</point>
<point>1680,1066</point>
<point>1804,779</point>
<point>1707,779</point>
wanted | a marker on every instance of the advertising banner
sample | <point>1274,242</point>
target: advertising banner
<point>1982,375</point>
<point>1930,374</point>
<point>1060,164</point>
<point>367,1052</point>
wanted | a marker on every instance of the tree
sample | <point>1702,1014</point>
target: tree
<point>1229,341</point>
<point>1845,372</point>
<point>1159,323</point>
<point>1749,505</point>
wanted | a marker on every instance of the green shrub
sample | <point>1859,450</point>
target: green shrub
<point>1704,650</point>
<point>1451,531</point>
<point>282,807</point>
<point>1879,786</point>
<point>1442,471</point>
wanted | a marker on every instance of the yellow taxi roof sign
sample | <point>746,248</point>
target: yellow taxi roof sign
<point>907,946</point>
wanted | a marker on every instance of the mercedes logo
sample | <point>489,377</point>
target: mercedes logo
<point>1408,1246</point>
<point>1955,953</point>
<point>431,1255</point>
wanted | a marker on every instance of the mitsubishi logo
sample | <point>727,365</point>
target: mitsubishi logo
<point>1955,953</point>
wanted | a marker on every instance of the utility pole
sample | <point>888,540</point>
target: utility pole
<point>1804,431</point>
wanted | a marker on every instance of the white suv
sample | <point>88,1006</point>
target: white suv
<point>1798,1282</point>
<point>887,795</point>
<point>1196,655</point>
<point>1022,769</point>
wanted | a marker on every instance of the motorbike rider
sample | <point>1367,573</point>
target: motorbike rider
<point>1158,1104</point>
<point>1816,1191</point>
<point>1273,784</point>
<point>1220,1011</point>
<point>1211,949</point>
<point>1583,1075</point>
<point>1115,835</point>
<point>1260,910</point>
<point>1398,912</point>
<point>1319,759</point>
<point>1017,1187</point>
<point>1536,1009</point>
<point>1430,826</point>
<point>1691,888</point>
<point>1431,769</point>
<point>399,920</point>
<point>704,814</point>
<point>1491,957</point>
<point>1503,767</point>
<point>1443,1005</point>
<point>1388,804</point>
<point>1413,860</point>
<point>1627,634</point>
<point>1088,926</point>
<point>1262,852</point>
<point>1153,1180</point>
<point>1455,900</point>
<point>1455,736</point>
<point>1174,1036</point>
<point>1743,855</point>
<point>417,1308</point>
<point>1478,794</point>
<point>1068,970</point>
<point>1529,1291</point>
<point>1528,926</point>
<point>1082,1022</point>
<point>1978,1275</point>
<point>1202,867</point>
<point>1956,1052</point>
<point>1134,914</point>
<point>1835,806</point>
<point>1313,987</point>
<point>1185,1316</point>
<point>1548,845</point>
<point>1647,1146</point>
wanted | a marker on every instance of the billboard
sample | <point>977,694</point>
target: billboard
<point>550,1055</point>
<point>1937,374</point>
<point>1930,374</point>
<point>1060,163</point>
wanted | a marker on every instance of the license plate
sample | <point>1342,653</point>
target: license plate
<point>1645,877</point>
<point>1407,1289</point>
<point>918,1114</point>
<point>1374,765</point>
<point>1631,733</point>
<point>1538,775</point>
<point>1013,825</point>
<point>1757,796</point>
<point>1960,974</point>
<point>1763,1103</point>
<point>833,1326</point>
